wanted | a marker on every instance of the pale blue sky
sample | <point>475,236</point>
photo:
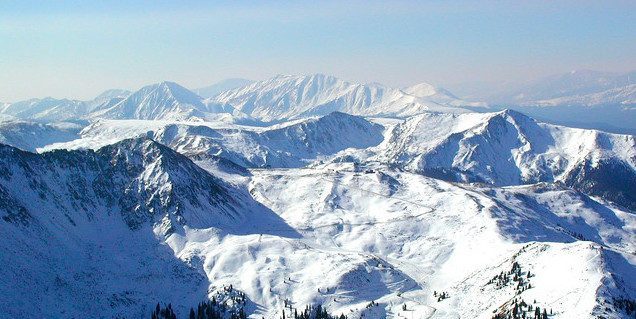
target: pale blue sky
<point>78,49</point>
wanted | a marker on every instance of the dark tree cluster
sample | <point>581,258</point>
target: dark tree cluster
<point>210,309</point>
<point>576,235</point>
<point>627,305</point>
<point>522,310</point>
<point>163,313</point>
<point>310,312</point>
<point>515,276</point>
<point>441,295</point>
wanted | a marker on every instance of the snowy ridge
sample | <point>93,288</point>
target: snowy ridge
<point>290,96</point>
<point>162,101</point>
<point>282,97</point>
<point>330,234</point>
<point>574,83</point>
<point>51,110</point>
<point>623,96</point>
<point>500,148</point>
<point>91,223</point>
<point>509,148</point>
<point>293,145</point>
<point>142,165</point>
<point>47,109</point>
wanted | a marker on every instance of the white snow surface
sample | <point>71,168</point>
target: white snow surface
<point>296,96</point>
<point>500,148</point>
<point>335,210</point>
<point>292,144</point>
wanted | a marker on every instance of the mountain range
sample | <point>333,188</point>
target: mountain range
<point>299,191</point>
<point>280,98</point>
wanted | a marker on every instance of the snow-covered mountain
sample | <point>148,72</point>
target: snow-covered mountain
<point>46,109</point>
<point>292,96</point>
<point>55,110</point>
<point>161,101</point>
<point>623,95</point>
<point>107,99</point>
<point>438,95</point>
<point>93,224</point>
<point>135,223</point>
<point>574,83</point>
<point>294,144</point>
<point>499,148</point>
<point>459,237</point>
<point>277,99</point>
<point>509,148</point>
<point>394,211</point>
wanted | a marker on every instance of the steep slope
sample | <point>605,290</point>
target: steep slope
<point>290,97</point>
<point>93,223</point>
<point>139,178</point>
<point>161,101</point>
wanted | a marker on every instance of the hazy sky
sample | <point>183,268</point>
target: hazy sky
<point>78,49</point>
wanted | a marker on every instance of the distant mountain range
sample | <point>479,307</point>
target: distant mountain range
<point>587,99</point>
<point>581,98</point>
<point>291,97</point>
<point>277,99</point>
<point>576,83</point>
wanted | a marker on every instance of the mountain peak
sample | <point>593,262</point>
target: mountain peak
<point>175,89</point>
<point>164,100</point>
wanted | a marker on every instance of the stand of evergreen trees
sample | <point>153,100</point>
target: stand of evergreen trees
<point>163,313</point>
<point>310,312</point>
<point>522,310</point>
<point>210,309</point>
<point>441,296</point>
<point>627,305</point>
<point>514,276</point>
